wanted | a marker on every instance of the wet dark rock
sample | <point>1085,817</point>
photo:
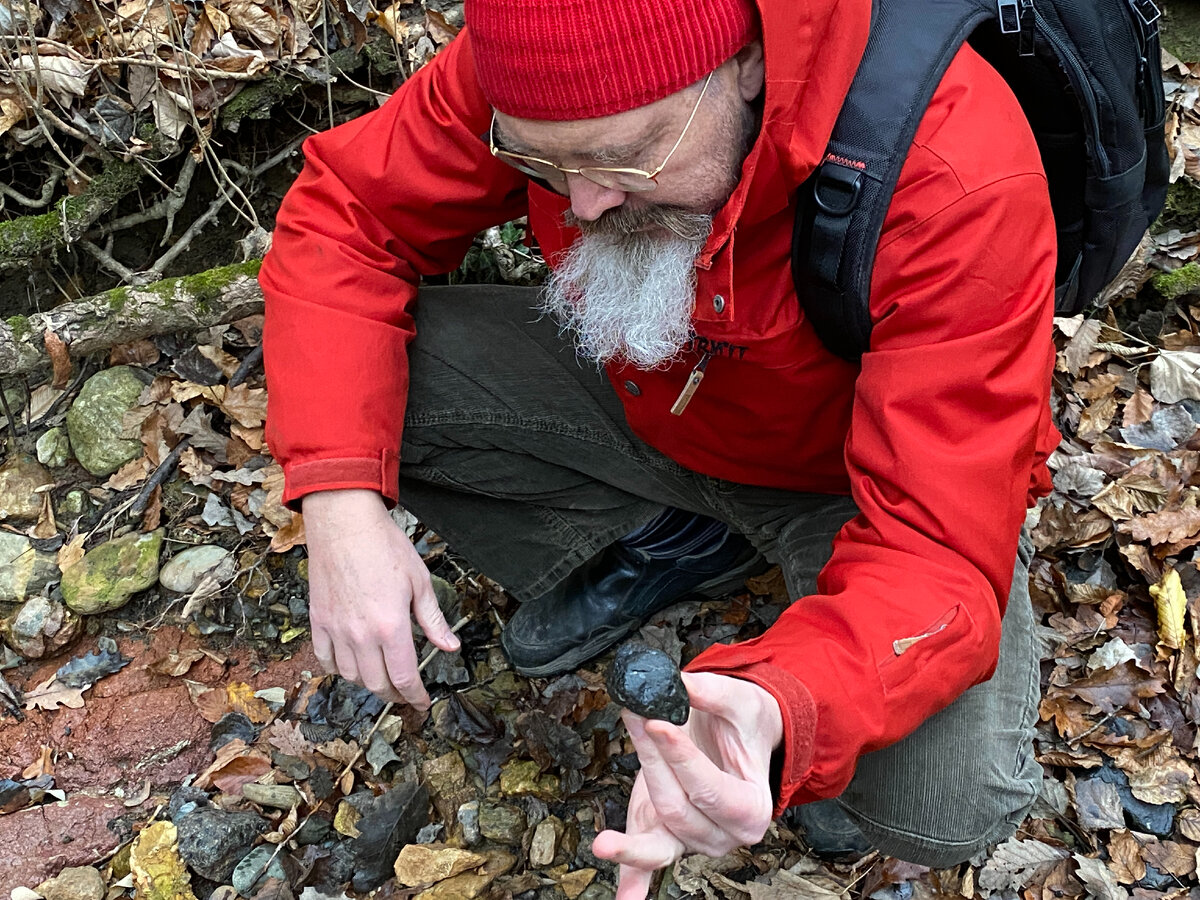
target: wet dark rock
<point>231,726</point>
<point>1156,818</point>
<point>212,841</point>
<point>1153,818</point>
<point>315,830</point>
<point>1155,880</point>
<point>647,682</point>
<point>185,801</point>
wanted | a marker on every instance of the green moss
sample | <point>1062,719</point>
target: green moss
<point>19,325</point>
<point>256,100</point>
<point>1173,285</point>
<point>1183,207</point>
<point>381,56</point>
<point>25,238</point>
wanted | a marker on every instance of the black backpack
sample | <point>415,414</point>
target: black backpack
<point>1088,76</point>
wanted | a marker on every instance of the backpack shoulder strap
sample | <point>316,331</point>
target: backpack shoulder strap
<point>842,205</point>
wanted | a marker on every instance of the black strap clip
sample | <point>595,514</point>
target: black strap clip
<point>1146,11</point>
<point>837,187</point>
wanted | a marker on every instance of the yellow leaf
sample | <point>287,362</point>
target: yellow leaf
<point>158,871</point>
<point>1170,602</point>
<point>346,819</point>
<point>242,699</point>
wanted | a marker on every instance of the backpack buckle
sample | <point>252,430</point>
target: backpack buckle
<point>1146,11</point>
<point>836,188</point>
<point>1008,12</point>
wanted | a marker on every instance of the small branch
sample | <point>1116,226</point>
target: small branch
<point>190,303</point>
<point>107,261</point>
<point>161,474</point>
<point>29,202</point>
<point>249,364</point>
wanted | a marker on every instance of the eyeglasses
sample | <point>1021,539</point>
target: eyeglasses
<point>617,179</point>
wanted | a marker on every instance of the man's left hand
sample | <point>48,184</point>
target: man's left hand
<point>703,787</point>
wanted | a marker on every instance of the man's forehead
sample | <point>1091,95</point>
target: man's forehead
<point>603,138</point>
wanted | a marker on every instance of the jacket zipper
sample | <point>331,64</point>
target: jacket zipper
<point>690,386</point>
<point>1082,86</point>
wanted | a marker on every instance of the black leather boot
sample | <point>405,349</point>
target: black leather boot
<point>829,832</point>
<point>675,555</point>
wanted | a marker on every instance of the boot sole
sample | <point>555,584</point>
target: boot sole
<point>603,640</point>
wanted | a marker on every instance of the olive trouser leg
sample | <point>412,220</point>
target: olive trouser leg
<point>520,457</point>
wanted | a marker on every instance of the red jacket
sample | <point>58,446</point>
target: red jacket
<point>941,437</point>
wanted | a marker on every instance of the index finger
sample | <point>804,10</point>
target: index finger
<point>400,657</point>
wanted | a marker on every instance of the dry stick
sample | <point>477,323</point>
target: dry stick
<point>361,749</point>
<point>165,468</point>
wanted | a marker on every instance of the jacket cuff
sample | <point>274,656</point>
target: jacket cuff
<point>380,473</point>
<point>797,707</point>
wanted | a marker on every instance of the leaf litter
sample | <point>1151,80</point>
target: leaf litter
<point>353,793</point>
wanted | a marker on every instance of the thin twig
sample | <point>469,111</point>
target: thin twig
<point>164,470</point>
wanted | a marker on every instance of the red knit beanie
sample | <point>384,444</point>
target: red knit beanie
<point>579,59</point>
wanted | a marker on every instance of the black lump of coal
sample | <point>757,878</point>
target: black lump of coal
<point>647,682</point>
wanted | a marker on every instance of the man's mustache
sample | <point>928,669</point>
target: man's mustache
<point>626,221</point>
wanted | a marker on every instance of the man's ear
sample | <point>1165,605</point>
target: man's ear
<point>751,70</point>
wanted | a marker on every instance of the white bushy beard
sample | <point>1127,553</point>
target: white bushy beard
<point>626,288</point>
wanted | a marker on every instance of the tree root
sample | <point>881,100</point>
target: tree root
<point>125,314</point>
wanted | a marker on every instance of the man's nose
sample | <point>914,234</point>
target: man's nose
<point>589,200</point>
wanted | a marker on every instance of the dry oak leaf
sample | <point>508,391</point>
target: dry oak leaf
<point>286,737</point>
<point>51,694</point>
<point>1108,690</point>
<point>1125,857</point>
<point>176,663</point>
<point>1096,875</point>
<point>235,764</point>
<point>1016,863</point>
<point>60,359</point>
<point>1159,776</point>
<point>1188,822</point>
<point>1171,857</point>
<point>245,405</point>
<point>1170,526</point>
<point>1170,604</point>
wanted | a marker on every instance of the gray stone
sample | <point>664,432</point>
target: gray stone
<point>597,890</point>
<point>468,819</point>
<point>184,571</point>
<point>20,477</point>
<point>95,420</point>
<point>54,447</point>
<point>501,822</point>
<point>110,574</point>
<point>246,878</point>
<point>75,883</point>
<point>23,570</point>
<point>646,681</point>
<point>212,840</point>
<point>41,626</point>
<point>545,842</point>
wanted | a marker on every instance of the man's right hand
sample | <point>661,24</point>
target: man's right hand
<point>365,578</point>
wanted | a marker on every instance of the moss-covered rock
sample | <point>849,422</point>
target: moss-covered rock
<point>110,574</point>
<point>94,421</point>
<point>1183,281</point>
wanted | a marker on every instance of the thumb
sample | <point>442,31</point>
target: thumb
<point>429,616</point>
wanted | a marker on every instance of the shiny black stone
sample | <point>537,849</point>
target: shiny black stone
<point>647,682</point>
